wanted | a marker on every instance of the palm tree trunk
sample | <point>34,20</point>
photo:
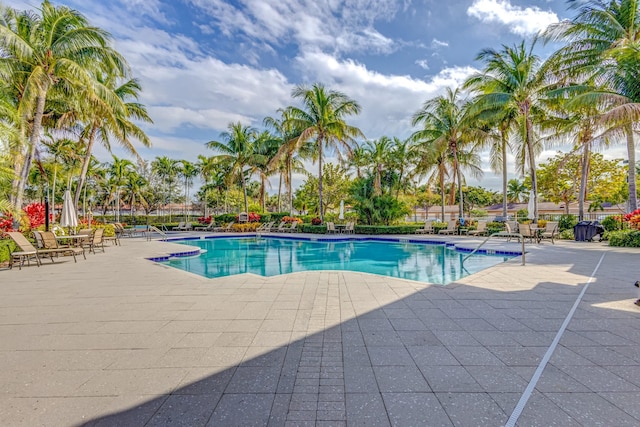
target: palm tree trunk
<point>504,174</point>
<point>85,164</point>
<point>532,166</point>
<point>290,185</point>
<point>279,191</point>
<point>631,174</point>
<point>34,138</point>
<point>442,195</point>
<point>586,160</point>
<point>244,192</point>
<point>456,165</point>
<point>320,210</point>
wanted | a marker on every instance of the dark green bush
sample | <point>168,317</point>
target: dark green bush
<point>6,247</point>
<point>567,222</point>
<point>612,223</point>
<point>624,238</point>
<point>314,229</point>
<point>382,229</point>
<point>566,235</point>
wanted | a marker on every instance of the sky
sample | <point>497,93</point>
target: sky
<point>206,63</point>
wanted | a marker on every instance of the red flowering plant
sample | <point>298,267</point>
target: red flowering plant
<point>35,213</point>
<point>6,222</point>
<point>254,217</point>
<point>316,221</point>
<point>205,219</point>
<point>633,219</point>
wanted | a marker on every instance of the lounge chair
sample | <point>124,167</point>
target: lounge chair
<point>281,227</point>
<point>96,240</point>
<point>428,228</point>
<point>551,231</point>
<point>331,228</point>
<point>184,226</point>
<point>26,250</point>
<point>291,228</point>
<point>228,227</point>
<point>481,230</point>
<point>451,228</point>
<point>208,227</point>
<point>266,227</point>
<point>47,243</point>
<point>349,228</point>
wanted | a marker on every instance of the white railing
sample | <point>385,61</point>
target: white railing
<point>499,234</point>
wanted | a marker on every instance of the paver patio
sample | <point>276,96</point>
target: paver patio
<point>119,340</point>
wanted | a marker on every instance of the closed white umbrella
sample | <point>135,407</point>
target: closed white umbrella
<point>341,216</point>
<point>68,217</point>
<point>531,206</point>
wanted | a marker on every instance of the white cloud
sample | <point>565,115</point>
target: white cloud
<point>388,101</point>
<point>522,21</point>
<point>330,26</point>
<point>435,44</point>
<point>422,63</point>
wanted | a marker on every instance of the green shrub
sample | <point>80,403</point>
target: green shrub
<point>624,238</point>
<point>382,229</point>
<point>6,247</point>
<point>567,222</point>
<point>566,235</point>
<point>438,225</point>
<point>522,215</point>
<point>314,229</point>
<point>495,227</point>
<point>612,223</point>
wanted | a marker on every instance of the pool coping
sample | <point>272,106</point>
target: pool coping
<point>458,246</point>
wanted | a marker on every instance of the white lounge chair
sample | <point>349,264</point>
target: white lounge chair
<point>428,228</point>
<point>451,228</point>
<point>481,230</point>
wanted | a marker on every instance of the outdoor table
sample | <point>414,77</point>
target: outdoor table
<point>537,232</point>
<point>340,227</point>
<point>463,230</point>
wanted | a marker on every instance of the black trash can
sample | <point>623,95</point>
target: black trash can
<point>586,230</point>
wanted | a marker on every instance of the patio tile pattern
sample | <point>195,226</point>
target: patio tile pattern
<point>120,340</point>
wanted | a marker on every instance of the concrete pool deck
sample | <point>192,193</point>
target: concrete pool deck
<point>119,340</point>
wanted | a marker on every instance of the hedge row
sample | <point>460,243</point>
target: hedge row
<point>624,238</point>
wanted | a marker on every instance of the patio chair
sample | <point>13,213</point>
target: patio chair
<point>551,231</point>
<point>527,233</point>
<point>331,228</point>
<point>291,228</point>
<point>228,227</point>
<point>266,227</point>
<point>428,228</point>
<point>184,226</point>
<point>96,240</point>
<point>451,228</point>
<point>281,227</point>
<point>349,228</point>
<point>26,250</point>
<point>481,230</point>
<point>49,244</point>
<point>208,227</point>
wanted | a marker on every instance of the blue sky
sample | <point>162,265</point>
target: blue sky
<point>206,63</point>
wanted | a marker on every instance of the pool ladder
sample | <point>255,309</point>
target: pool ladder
<point>153,228</point>
<point>499,234</point>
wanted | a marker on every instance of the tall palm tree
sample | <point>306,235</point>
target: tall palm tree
<point>445,123</point>
<point>57,47</point>
<point>513,84</point>
<point>357,160</point>
<point>603,41</point>
<point>402,156</point>
<point>239,149</point>
<point>291,148</point>
<point>167,170</point>
<point>109,115</point>
<point>516,190</point>
<point>118,171</point>
<point>59,149</point>
<point>322,118</point>
<point>378,152</point>
<point>432,163</point>
<point>188,171</point>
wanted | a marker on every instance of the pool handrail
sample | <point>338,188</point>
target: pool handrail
<point>499,234</point>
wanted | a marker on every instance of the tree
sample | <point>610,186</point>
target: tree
<point>559,179</point>
<point>378,152</point>
<point>239,150</point>
<point>513,83</point>
<point>478,197</point>
<point>516,190</point>
<point>167,170</point>
<point>602,42</point>
<point>56,47</point>
<point>336,183</point>
<point>188,171</point>
<point>446,124</point>
<point>322,118</point>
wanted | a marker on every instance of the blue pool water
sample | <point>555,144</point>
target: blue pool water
<point>433,263</point>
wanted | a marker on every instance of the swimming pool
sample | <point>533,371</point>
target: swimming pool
<point>266,256</point>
